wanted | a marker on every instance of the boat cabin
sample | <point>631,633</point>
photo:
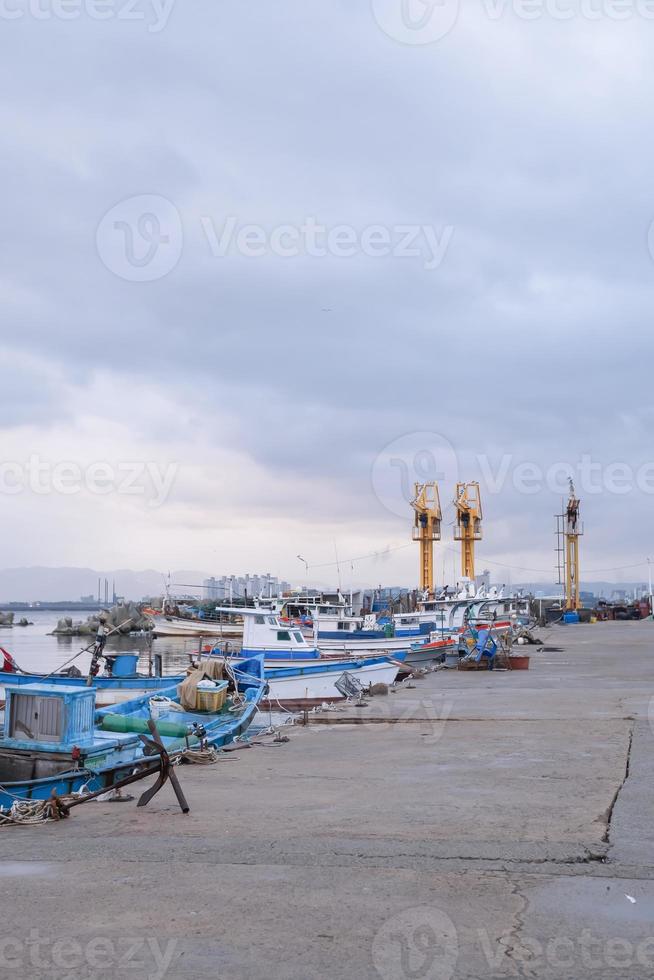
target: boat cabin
<point>263,632</point>
<point>45,726</point>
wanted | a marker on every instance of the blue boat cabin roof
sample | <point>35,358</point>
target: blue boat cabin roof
<point>45,689</point>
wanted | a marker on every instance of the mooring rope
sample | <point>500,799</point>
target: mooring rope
<point>30,812</point>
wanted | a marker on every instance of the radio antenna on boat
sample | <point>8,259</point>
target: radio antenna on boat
<point>338,567</point>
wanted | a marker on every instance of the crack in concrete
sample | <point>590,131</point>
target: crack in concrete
<point>510,941</point>
<point>589,857</point>
<point>380,720</point>
<point>606,838</point>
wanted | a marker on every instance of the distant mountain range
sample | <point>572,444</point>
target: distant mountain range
<point>70,584</point>
<point>66,584</point>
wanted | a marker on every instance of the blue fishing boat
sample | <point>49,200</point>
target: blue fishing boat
<point>122,684</point>
<point>56,739</point>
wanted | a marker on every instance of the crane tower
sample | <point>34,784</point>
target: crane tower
<point>467,529</point>
<point>426,529</point>
<point>573,530</point>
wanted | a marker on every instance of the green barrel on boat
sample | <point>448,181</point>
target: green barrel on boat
<point>125,723</point>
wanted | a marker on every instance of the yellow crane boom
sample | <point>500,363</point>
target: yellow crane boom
<point>426,529</point>
<point>467,529</point>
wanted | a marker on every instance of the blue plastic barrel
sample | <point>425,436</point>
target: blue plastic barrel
<point>125,665</point>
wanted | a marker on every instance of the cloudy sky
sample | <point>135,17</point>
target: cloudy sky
<point>266,264</point>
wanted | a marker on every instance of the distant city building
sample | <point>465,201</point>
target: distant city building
<point>239,586</point>
<point>210,588</point>
<point>483,580</point>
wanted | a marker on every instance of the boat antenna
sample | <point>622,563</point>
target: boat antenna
<point>338,567</point>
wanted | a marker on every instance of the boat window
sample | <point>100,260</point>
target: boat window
<point>272,621</point>
<point>283,635</point>
<point>259,620</point>
<point>298,637</point>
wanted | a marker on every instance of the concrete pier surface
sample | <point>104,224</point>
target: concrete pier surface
<point>474,824</point>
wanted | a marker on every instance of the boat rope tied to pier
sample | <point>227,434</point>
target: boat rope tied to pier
<point>203,757</point>
<point>30,812</point>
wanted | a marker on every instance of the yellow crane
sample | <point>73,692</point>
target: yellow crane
<point>573,529</point>
<point>426,529</point>
<point>467,529</point>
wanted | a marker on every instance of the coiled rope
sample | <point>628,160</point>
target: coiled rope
<point>29,812</point>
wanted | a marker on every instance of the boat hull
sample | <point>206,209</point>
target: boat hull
<point>351,662</point>
<point>300,687</point>
<point>430,652</point>
<point>387,644</point>
<point>178,626</point>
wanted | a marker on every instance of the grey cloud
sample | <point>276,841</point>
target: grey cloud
<point>532,337</point>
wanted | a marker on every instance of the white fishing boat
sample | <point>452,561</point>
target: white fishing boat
<point>283,645</point>
<point>299,674</point>
<point>466,603</point>
<point>312,684</point>
<point>336,629</point>
<point>169,625</point>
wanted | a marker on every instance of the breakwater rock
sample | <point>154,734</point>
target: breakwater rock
<point>127,616</point>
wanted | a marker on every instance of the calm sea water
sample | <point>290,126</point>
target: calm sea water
<point>35,649</point>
